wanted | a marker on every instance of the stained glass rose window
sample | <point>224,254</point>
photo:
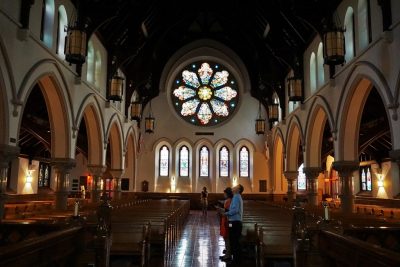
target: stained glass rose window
<point>205,93</point>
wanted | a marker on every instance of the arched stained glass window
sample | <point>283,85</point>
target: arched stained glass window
<point>204,161</point>
<point>244,162</point>
<point>164,161</point>
<point>320,65</point>
<point>224,162</point>
<point>184,161</point>
<point>204,93</point>
<point>301,179</point>
<point>61,31</point>
<point>349,34</point>
<point>90,63</point>
<point>46,31</point>
<point>313,73</point>
<point>363,24</point>
<point>97,69</point>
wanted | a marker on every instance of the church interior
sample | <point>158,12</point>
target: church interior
<point>116,114</point>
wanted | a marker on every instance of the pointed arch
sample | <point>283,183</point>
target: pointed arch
<point>203,180</point>
<point>130,159</point>
<point>162,183</point>
<point>222,181</point>
<point>362,77</point>
<point>59,108</point>
<point>183,165</point>
<point>294,139</point>
<point>90,112</point>
<point>246,181</point>
<point>315,131</point>
<point>278,183</point>
<point>114,135</point>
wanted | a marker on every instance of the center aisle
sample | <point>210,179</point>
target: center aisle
<point>200,243</point>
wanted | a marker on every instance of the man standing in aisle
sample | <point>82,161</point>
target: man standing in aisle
<point>235,218</point>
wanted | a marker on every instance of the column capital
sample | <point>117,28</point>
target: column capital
<point>291,175</point>
<point>97,170</point>
<point>117,172</point>
<point>312,172</point>
<point>63,164</point>
<point>346,168</point>
<point>7,153</point>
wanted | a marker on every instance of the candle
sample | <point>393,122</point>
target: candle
<point>76,208</point>
<point>326,212</point>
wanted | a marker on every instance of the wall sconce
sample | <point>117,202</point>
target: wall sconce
<point>234,181</point>
<point>173,184</point>
<point>380,179</point>
<point>29,177</point>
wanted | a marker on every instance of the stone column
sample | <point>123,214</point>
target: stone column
<point>7,154</point>
<point>97,172</point>
<point>312,174</point>
<point>116,174</point>
<point>395,156</point>
<point>291,177</point>
<point>345,170</point>
<point>62,168</point>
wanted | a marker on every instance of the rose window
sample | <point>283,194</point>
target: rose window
<point>205,94</point>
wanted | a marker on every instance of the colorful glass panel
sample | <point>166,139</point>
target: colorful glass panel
<point>220,78</point>
<point>301,179</point>
<point>219,107</point>
<point>205,73</point>
<point>226,93</point>
<point>369,180</point>
<point>184,93</point>
<point>204,113</point>
<point>204,159</point>
<point>201,94</point>
<point>244,162</point>
<point>184,161</point>
<point>164,161</point>
<point>224,162</point>
<point>189,107</point>
<point>190,78</point>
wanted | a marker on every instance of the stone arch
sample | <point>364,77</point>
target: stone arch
<point>248,182</point>
<point>162,183</point>
<point>91,112</point>
<point>130,159</point>
<point>293,140</point>
<point>320,115</point>
<point>182,183</point>
<point>348,118</point>
<point>203,181</point>
<point>114,134</point>
<point>278,183</point>
<point>52,83</point>
<point>222,182</point>
<point>7,90</point>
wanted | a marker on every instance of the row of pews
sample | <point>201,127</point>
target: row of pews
<point>280,234</point>
<point>150,229</point>
<point>140,229</point>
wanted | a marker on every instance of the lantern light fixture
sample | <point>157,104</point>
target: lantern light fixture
<point>260,122</point>
<point>149,121</point>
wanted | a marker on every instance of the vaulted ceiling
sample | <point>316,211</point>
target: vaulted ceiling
<point>269,36</point>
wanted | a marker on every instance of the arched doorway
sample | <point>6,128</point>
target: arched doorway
<point>130,164</point>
